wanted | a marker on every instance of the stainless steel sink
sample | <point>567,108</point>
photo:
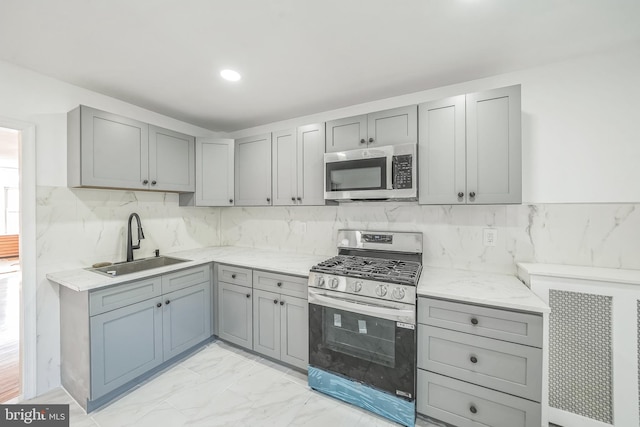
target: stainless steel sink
<point>119,269</point>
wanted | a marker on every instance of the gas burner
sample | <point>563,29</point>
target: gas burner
<point>381,269</point>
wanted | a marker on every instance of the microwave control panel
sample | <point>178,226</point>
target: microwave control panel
<point>402,171</point>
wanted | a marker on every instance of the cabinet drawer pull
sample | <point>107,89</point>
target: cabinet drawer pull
<point>473,359</point>
<point>159,305</point>
<point>167,302</point>
<point>281,302</point>
<point>154,182</point>
<point>473,409</point>
<point>145,182</point>
<point>362,141</point>
<point>279,284</point>
<point>472,194</point>
<point>233,276</point>
<point>275,301</point>
<point>370,140</point>
<point>474,321</point>
<point>460,195</point>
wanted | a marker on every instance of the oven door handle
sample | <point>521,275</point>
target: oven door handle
<point>395,314</point>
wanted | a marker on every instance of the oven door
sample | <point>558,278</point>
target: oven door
<point>364,340</point>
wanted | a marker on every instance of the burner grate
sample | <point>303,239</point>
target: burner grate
<point>388,270</point>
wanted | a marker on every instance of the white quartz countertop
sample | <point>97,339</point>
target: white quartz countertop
<point>271,260</point>
<point>613,275</point>
<point>498,290</point>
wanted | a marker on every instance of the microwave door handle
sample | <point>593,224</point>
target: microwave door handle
<point>394,314</point>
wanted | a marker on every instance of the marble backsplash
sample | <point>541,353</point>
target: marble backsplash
<point>603,235</point>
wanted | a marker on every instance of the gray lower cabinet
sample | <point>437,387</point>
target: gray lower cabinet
<point>110,151</point>
<point>265,312</point>
<point>470,148</point>
<point>479,365</point>
<point>280,327</point>
<point>235,314</point>
<point>112,337</point>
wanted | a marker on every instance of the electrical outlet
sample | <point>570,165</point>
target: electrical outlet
<point>490,235</point>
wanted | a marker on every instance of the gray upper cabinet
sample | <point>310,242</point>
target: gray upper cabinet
<point>388,127</point>
<point>253,171</point>
<point>110,151</point>
<point>172,160</point>
<point>470,149</point>
<point>214,172</point>
<point>298,162</point>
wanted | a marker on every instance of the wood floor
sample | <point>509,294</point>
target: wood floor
<point>9,331</point>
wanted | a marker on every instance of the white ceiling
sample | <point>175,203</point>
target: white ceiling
<point>297,57</point>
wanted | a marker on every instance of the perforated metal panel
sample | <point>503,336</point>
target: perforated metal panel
<point>580,354</point>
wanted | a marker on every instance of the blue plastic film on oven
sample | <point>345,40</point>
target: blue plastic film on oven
<point>379,402</point>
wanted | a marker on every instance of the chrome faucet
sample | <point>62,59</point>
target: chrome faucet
<point>130,245</point>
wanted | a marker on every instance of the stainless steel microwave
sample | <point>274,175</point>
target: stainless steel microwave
<point>381,173</point>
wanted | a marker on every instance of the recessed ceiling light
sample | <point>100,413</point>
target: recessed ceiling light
<point>232,76</point>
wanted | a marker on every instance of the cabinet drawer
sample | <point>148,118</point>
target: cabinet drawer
<point>468,405</point>
<point>521,328</point>
<point>281,283</point>
<point>108,299</point>
<point>504,366</point>
<point>236,275</point>
<point>184,278</point>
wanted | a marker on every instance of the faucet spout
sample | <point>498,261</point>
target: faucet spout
<point>130,245</point>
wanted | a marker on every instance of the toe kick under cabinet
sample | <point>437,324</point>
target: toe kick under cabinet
<point>479,365</point>
<point>264,312</point>
<point>113,338</point>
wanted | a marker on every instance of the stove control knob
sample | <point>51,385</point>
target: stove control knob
<point>319,281</point>
<point>381,290</point>
<point>356,286</point>
<point>334,283</point>
<point>398,293</point>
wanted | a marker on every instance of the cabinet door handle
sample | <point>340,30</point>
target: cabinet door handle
<point>293,199</point>
<point>233,276</point>
<point>167,302</point>
<point>473,359</point>
<point>279,284</point>
<point>153,182</point>
<point>159,305</point>
<point>473,409</point>
<point>474,321</point>
<point>370,140</point>
<point>472,194</point>
<point>460,195</point>
<point>145,182</point>
<point>275,301</point>
<point>362,141</point>
<point>299,199</point>
<point>248,295</point>
<point>230,200</point>
<point>268,199</point>
<point>281,302</point>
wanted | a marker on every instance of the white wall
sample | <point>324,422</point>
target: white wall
<point>77,227</point>
<point>579,126</point>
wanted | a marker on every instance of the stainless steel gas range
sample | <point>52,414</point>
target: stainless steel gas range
<point>362,322</point>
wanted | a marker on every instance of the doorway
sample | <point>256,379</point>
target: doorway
<point>10,274</point>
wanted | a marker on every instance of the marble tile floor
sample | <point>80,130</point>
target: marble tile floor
<point>222,385</point>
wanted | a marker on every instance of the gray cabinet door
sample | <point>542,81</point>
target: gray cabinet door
<point>114,150</point>
<point>346,134</point>
<point>125,343</point>
<point>393,127</point>
<point>284,166</point>
<point>235,314</point>
<point>214,172</point>
<point>442,151</point>
<point>310,172</point>
<point>294,336</point>
<point>266,323</point>
<point>253,171</point>
<point>186,318</point>
<point>494,159</point>
<point>172,160</point>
